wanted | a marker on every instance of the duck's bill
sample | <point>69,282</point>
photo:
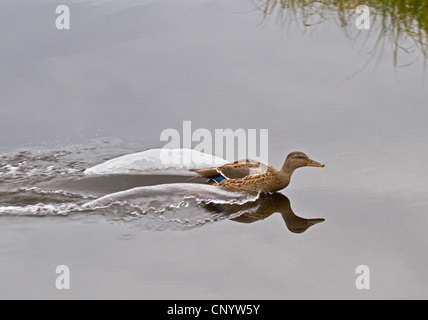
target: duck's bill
<point>313,163</point>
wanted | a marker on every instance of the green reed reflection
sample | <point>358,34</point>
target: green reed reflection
<point>403,23</point>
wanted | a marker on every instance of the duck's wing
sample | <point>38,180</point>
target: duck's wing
<point>243,168</point>
<point>235,170</point>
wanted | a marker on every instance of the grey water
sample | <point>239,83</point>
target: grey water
<point>127,70</point>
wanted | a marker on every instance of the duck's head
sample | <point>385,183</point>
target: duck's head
<point>298,159</point>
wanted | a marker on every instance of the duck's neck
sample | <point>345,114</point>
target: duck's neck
<point>287,170</point>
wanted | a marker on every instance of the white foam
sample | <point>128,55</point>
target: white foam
<point>157,162</point>
<point>171,194</point>
<point>40,209</point>
<point>179,206</point>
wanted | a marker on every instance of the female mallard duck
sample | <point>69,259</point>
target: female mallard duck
<point>254,176</point>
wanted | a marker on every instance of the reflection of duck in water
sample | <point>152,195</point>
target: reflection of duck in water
<point>265,206</point>
<point>254,176</point>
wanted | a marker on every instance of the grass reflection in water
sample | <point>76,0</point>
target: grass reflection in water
<point>401,24</point>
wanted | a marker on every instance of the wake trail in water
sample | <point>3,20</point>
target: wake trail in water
<point>33,166</point>
<point>165,207</point>
<point>36,183</point>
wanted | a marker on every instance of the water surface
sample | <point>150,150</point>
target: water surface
<point>126,70</point>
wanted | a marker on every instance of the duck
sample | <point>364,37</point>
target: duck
<point>254,176</point>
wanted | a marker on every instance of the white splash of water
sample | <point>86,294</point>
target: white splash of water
<point>153,162</point>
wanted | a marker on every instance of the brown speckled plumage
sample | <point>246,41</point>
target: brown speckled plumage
<point>253,176</point>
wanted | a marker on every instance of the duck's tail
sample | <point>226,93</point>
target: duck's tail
<point>192,178</point>
<point>205,173</point>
